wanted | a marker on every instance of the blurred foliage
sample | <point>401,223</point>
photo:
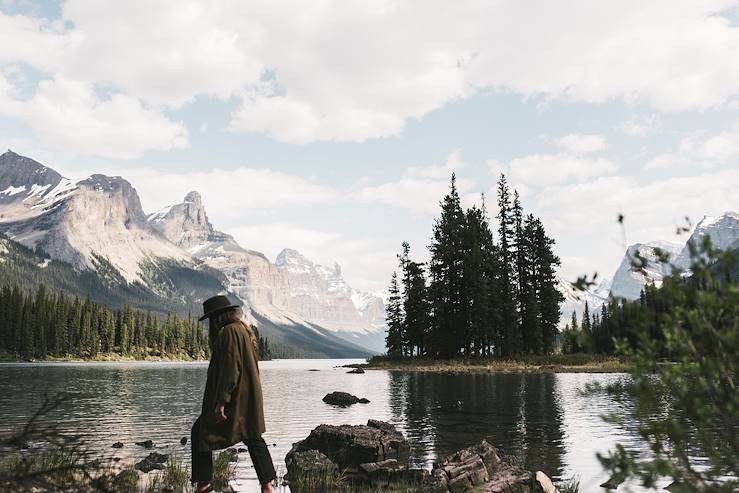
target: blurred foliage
<point>686,401</point>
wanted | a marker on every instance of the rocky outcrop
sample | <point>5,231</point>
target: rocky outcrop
<point>376,456</point>
<point>343,399</point>
<point>349,446</point>
<point>480,469</point>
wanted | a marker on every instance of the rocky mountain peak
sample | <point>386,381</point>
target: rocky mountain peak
<point>293,259</point>
<point>21,177</point>
<point>195,198</point>
<point>185,224</point>
<point>722,229</point>
<point>121,191</point>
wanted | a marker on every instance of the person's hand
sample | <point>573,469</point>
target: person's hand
<point>220,413</point>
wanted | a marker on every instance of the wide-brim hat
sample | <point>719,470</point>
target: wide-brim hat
<point>216,304</point>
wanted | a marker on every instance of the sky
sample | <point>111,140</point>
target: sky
<point>333,127</point>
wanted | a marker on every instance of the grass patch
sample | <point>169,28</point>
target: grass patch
<point>557,363</point>
<point>223,470</point>
<point>175,477</point>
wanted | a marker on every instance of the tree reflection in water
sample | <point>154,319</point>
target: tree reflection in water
<point>521,414</point>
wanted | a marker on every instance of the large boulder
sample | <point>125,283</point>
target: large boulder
<point>348,446</point>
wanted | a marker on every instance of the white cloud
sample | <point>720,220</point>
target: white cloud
<point>366,264</point>
<point>701,151</point>
<point>272,238</point>
<point>497,168</point>
<point>351,71</point>
<point>420,189</point>
<point>231,193</point>
<point>641,125</point>
<point>453,164</point>
<point>70,117</point>
<point>582,144</point>
<point>551,169</point>
<point>584,214</point>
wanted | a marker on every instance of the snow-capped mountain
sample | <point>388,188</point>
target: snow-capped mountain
<point>575,299</point>
<point>723,231</point>
<point>631,276</point>
<point>94,221</point>
<point>291,291</point>
<point>98,226</point>
<point>630,279</point>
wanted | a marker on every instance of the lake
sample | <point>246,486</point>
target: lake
<point>540,418</point>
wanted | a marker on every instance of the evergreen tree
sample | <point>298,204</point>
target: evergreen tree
<point>415,304</point>
<point>544,285</point>
<point>478,281</point>
<point>448,327</point>
<point>394,319</point>
<point>510,342</point>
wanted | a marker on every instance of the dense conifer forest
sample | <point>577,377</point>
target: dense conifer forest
<point>481,294</point>
<point>43,324</point>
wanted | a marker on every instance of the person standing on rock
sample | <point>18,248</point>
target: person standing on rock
<point>232,405</point>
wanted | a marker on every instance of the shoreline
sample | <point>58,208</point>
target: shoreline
<point>595,364</point>
<point>107,358</point>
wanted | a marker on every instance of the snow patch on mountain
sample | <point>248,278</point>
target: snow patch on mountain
<point>11,190</point>
<point>723,230</point>
<point>575,299</point>
<point>97,220</point>
<point>633,274</point>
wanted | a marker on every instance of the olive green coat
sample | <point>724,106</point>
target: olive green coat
<point>233,380</point>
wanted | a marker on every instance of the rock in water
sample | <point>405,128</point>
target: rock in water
<point>153,461</point>
<point>343,399</point>
<point>118,445</point>
<point>357,371</point>
<point>146,444</point>
<point>183,441</point>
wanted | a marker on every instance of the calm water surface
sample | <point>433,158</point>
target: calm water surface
<point>539,418</point>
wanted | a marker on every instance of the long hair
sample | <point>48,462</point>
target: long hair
<point>220,320</point>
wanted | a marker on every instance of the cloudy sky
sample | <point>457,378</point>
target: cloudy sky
<point>332,127</point>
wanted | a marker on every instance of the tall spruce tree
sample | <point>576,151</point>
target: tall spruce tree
<point>394,319</point>
<point>544,277</point>
<point>510,342</point>
<point>415,304</point>
<point>478,281</point>
<point>448,327</point>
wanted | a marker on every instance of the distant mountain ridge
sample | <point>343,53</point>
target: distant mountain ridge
<point>629,280</point>
<point>98,226</point>
<point>291,290</point>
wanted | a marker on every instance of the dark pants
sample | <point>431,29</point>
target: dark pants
<point>202,460</point>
